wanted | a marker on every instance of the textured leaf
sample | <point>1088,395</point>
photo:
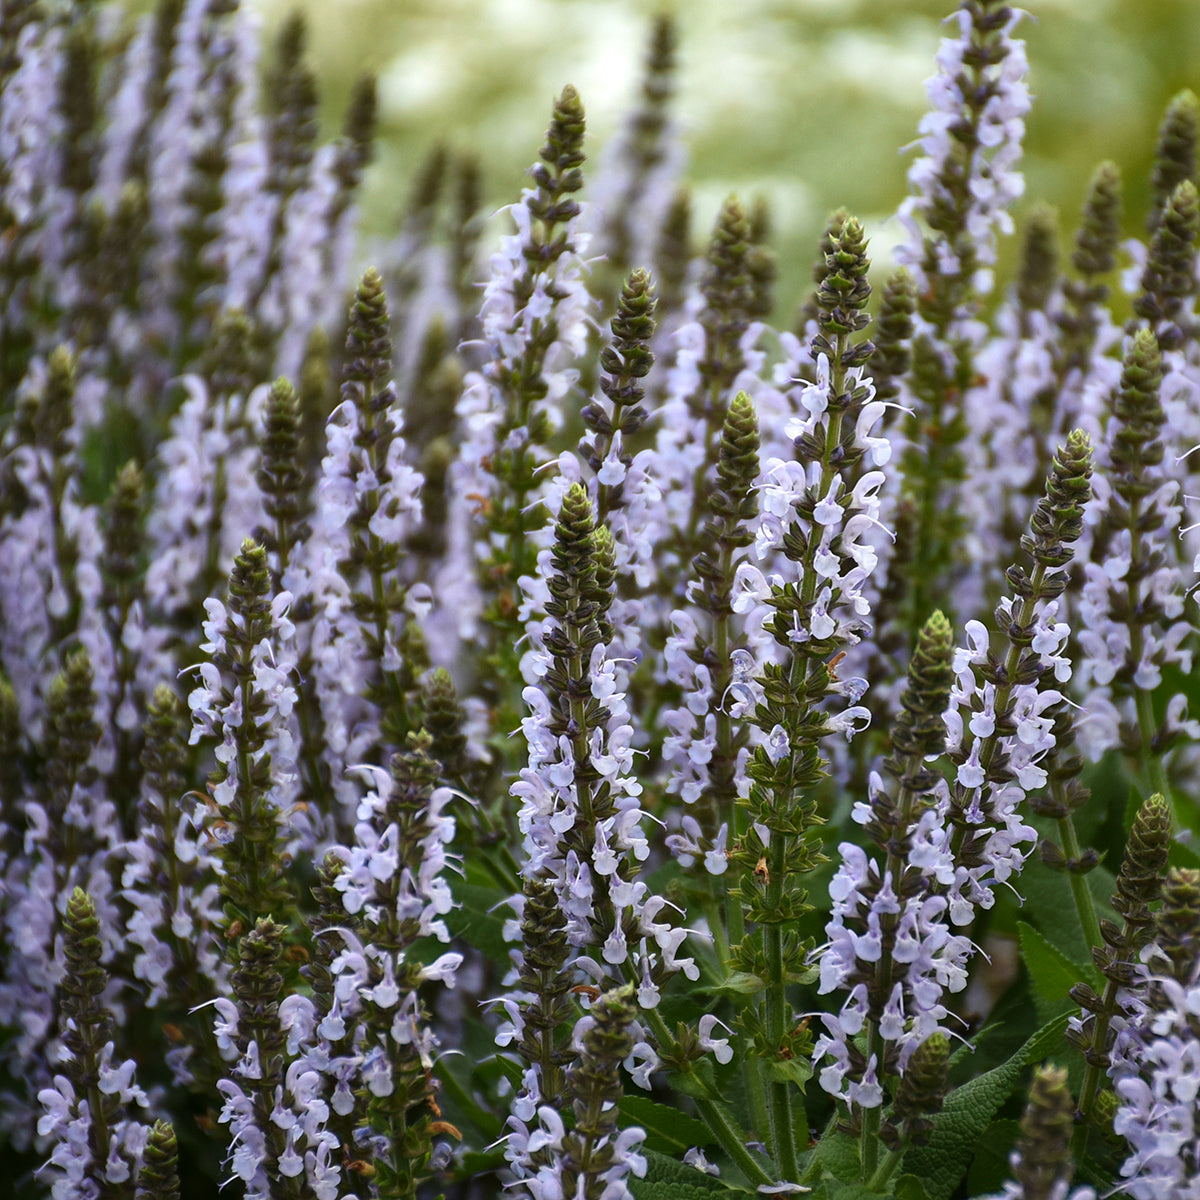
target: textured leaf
<point>1048,1040</point>
<point>667,1129</point>
<point>839,1156</point>
<point>853,1191</point>
<point>969,1111</point>
<point>667,1179</point>
<point>1052,972</point>
<point>696,1082</point>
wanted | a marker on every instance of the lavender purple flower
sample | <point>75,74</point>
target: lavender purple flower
<point>499,642</point>
<point>98,1146</point>
<point>1156,1051</point>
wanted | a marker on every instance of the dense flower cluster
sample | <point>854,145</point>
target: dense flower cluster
<point>470,603</point>
<point>1154,1057</point>
<point>965,180</point>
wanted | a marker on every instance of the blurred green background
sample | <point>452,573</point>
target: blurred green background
<point>807,102</point>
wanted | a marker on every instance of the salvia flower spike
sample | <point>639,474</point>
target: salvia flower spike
<point>424,720</point>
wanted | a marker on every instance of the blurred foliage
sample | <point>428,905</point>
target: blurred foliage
<point>805,102</point>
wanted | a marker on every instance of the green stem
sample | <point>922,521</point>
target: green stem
<point>894,866</point>
<point>652,1017</point>
<point>783,1139</point>
<point>869,1142</point>
<point>756,1095</point>
<point>879,1180</point>
<point>751,1067</point>
<point>714,1116</point>
<point>1093,1072</point>
<point>1085,905</point>
<point>931,491</point>
<point>723,751</point>
<point>99,1132</point>
<point>783,1143</point>
<point>732,1141</point>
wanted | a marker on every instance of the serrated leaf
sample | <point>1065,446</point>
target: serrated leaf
<point>667,1129</point>
<point>1052,972</point>
<point>1047,1042</point>
<point>839,1156</point>
<point>667,1179</point>
<point>969,1111</point>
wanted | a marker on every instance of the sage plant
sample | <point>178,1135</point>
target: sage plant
<point>528,720</point>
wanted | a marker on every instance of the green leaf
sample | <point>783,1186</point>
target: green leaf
<point>737,983</point>
<point>690,1084</point>
<point>667,1129</point>
<point>1051,906</point>
<point>839,1156</point>
<point>991,1169</point>
<point>477,1163</point>
<point>970,1109</point>
<point>1052,972</point>
<point>511,1069</point>
<point>850,1189</point>
<point>909,1187</point>
<point>477,921</point>
<point>853,1191</point>
<point>458,1074</point>
<point>1182,855</point>
<point>791,1070</point>
<point>667,1179</point>
<point>1048,1040</point>
<point>805,977</point>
